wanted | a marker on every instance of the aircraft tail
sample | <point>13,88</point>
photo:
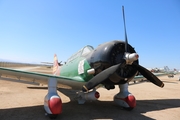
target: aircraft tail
<point>56,67</point>
<point>170,73</point>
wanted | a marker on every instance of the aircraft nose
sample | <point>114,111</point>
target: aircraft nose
<point>131,57</point>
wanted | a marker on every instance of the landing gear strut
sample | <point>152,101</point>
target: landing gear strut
<point>52,101</point>
<point>124,98</point>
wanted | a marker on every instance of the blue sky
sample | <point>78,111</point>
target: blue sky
<point>33,30</point>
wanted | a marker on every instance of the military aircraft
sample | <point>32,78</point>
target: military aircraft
<point>111,63</point>
<point>170,73</point>
<point>165,70</point>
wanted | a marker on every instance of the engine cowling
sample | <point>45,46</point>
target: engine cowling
<point>112,53</point>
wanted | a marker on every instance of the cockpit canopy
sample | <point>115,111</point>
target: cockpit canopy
<point>82,52</point>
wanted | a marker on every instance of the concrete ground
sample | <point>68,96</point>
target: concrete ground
<point>17,102</point>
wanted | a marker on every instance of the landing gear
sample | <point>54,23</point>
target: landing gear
<point>52,101</point>
<point>124,98</point>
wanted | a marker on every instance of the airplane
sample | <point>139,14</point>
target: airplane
<point>165,70</point>
<point>50,63</point>
<point>170,73</point>
<point>111,63</point>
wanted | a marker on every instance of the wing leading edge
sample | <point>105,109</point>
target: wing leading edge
<point>75,83</point>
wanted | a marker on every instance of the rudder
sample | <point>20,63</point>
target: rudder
<point>56,67</point>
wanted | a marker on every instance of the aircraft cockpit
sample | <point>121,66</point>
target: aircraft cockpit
<point>84,51</point>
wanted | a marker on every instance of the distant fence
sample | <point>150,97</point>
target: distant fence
<point>13,64</point>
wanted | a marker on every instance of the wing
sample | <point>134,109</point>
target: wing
<point>75,83</point>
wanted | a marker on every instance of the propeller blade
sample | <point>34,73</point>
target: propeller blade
<point>150,76</point>
<point>99,78</point>
<point>126,40</point>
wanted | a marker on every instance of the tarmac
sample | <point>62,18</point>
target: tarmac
<point>17,102</point>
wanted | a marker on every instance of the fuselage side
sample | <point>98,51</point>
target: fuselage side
<point>77,65</point>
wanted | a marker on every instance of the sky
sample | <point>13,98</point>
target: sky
<point>32,31</point>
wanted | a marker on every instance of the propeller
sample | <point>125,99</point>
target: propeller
<point>129,58</point>
<point>126,40</point>
<point>147,74</point>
